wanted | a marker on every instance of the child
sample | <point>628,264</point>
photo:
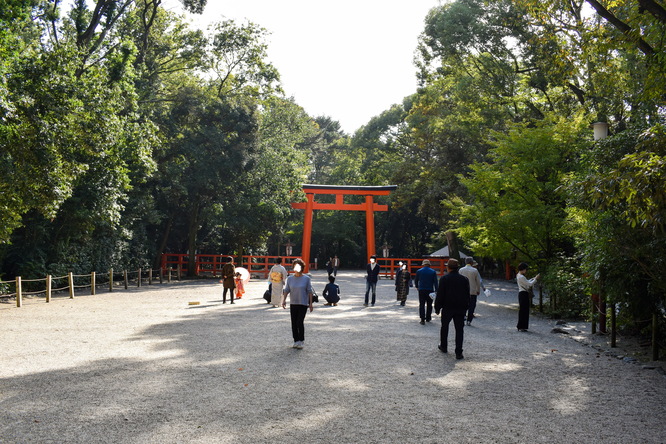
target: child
<point>331,292</point>
<point>240,289</point>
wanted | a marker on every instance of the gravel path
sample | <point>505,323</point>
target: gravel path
<point>144,366</point>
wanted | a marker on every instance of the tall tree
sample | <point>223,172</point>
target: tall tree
<point>517,206</point>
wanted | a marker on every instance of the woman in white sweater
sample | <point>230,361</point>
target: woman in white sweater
<point>524,298</point>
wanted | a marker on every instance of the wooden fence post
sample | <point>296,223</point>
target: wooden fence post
<point>150,276</point>
<point>111,279</point>
<point>169,275</point>
<point>138,279</point>
<point>71,284</point>
<point>179,270</point>
<point>161,274</point>
<point>92,283</point>
<point>125,278</point>
<point>48,288</point>
<point>19,293</point>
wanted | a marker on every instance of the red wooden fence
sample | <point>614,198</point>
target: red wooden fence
<point>211,264</point>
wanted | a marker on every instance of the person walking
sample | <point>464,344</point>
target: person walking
<point>277,277</point>
<point>371,278</point>
<point>403,280</point>
<point>524,296</point>
<point>299,289</point>
<point>426,283</point>
<point>453,301</point>
<point>329,267</point>
<point>331,292</point>
<point>228,279</point>
<point>475,286</point>
<point>336,265</point>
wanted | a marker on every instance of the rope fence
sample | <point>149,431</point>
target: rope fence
<point>70,283</point>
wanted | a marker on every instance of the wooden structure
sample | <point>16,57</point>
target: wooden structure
<point>339,191</point>
<point>211,264</point>
<point>390,265</point>
<point>259,266</point>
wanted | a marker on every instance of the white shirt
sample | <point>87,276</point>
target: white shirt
<point>524,284</point>
<point>474,278</point>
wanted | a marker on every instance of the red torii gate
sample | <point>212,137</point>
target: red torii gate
<point>340,191</point>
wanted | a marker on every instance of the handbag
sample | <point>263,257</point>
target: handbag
<point>267,293</point>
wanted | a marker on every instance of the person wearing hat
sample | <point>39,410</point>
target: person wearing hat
<point>453,301</point>
<point>475,286</point>
<point>371,279</point>
<point>426,282</point>
<point>524,298</point>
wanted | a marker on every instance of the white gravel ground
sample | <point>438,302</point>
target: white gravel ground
<point>143,366</point>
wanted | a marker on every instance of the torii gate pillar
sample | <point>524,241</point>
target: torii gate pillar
<point>340,191</point>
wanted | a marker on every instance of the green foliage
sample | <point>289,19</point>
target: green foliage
<point>236,58</point>
<point>280,168</point>
<point>619,209</point>
<point>117,144</point>
<point>568,287</point>
<point>635,184</point>
<point>517,206</point>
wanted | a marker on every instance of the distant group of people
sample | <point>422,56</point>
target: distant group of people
<point>332,266</point>
<point>454,295</point>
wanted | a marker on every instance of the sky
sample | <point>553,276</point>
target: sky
<point>349,59</point>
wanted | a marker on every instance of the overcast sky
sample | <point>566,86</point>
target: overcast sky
<point>348,59</point>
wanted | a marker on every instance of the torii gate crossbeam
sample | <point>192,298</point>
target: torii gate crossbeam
<point>340,191</point>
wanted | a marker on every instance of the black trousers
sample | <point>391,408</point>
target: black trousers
<point>524,302</point>
<point>425,305</point>
<point>458,318</point>
<point>224,294</point>
<point>472,307</point>
<point>298,313</point>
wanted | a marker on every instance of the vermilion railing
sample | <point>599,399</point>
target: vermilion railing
<point>390,265</point>
<point>260,265</point>
<point>212,263</point>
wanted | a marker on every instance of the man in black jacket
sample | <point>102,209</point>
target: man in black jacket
<point>453,301</point>
<point>371,278</point>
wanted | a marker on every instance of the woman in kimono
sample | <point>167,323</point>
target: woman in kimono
<point>277,277</point>
<point>403,280</point>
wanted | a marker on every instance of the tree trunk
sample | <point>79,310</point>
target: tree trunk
<point>627,30</point>
<point>452,242</point>
<point>193,229</point>
<point>165,238</point>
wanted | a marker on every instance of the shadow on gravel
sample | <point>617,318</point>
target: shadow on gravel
<point>227,373</point>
